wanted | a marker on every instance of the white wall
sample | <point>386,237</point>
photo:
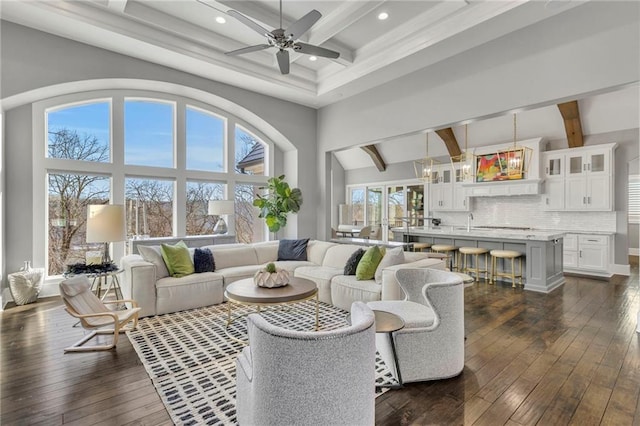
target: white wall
<point>33,62</point>
<point>588,49</point>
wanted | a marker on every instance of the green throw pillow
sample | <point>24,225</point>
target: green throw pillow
<point>178,259</point>
<point>367,266</point>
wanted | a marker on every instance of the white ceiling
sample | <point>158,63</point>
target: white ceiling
<point>184,34</point>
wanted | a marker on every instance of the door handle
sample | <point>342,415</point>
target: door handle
<point>580,253</point>
<point>584,200</point>
<point>588,200</point>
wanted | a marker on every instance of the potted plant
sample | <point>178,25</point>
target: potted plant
<point>278,202</point>
<point>271,277</point>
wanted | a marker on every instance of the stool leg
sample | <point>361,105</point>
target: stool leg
<point>486,267</point>
<point>493,260</point>
<point>513,273</point>
<point>521,274</point>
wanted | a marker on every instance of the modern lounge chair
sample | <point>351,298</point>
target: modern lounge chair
<point>287,377</point>
<point>365,232</point>
<point>81,303</point>
<point>431,344</point>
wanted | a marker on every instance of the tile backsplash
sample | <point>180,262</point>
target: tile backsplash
<point>527,211</point>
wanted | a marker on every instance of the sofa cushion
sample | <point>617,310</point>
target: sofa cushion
<point>293,249</point>
<point>345,289</point>
<point>189,292</point>
<point>367,266</point>
<point>177,259</point>
<point>414,315</point>
<point>316,250</point>
<point>203,260</point>
<point>153,254</point>
<point>321,275</point>
<point>234,256</point>
<point>352,263</point>
<point>235,273</point>
<point>266,251</point>
<point>291,265</point>
<point>391,257</point>
<point>337,255</point>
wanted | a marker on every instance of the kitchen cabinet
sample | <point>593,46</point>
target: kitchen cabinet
<point>579,179</point>
<point>446,191</point>
<point>587,253</point>
<point>554,180</point>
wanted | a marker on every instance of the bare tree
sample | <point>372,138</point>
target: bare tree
<point>70,194</point>
<point>244,194</point>
<point>149,207</point>
<point>198,220</point>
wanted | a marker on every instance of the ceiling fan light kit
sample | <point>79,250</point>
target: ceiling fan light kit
<point>284,40</point>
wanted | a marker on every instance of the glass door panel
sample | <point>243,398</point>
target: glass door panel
<point>374,206</point>
<point>395,207</point>
<point>597,163</point>
<point>357,207</point>
<point>575,165</point>
<point>415,204</point>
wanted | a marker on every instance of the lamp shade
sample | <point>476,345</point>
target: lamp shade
<point>221,207</point>
<point>105,223</point>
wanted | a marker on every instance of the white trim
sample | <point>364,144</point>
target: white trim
<point>634,251</point>
<point>618,269</point>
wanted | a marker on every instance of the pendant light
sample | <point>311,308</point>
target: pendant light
<point>424,167</point>
<point>465,162</point>
<point>514,161</point>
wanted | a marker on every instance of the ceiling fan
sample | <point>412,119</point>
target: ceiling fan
<point>284,40</point>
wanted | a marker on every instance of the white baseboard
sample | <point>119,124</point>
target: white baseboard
<point>621,269</point>
<point>634,251</point>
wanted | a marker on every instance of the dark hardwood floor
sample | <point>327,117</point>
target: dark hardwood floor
<point>569,357</point>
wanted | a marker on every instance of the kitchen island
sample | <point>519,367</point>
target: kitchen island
<point>542,249</point>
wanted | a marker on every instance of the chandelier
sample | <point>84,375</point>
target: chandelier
<point>514,161</point>
<point>465,161</point>
<point>424,167</point>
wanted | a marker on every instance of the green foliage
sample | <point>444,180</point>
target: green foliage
<point>278,202</point>
<point>270,268</point>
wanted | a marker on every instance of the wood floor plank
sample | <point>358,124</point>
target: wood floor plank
<point>568,357</point>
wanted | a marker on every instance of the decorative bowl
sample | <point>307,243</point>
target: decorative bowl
<point>280,278</point>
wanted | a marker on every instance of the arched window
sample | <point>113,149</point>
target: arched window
<point>162,156</point>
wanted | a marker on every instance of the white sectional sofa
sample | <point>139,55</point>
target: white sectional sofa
<point>157,294</point>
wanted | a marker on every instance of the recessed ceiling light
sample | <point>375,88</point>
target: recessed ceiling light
<point>383,15</point>
<point>220,20</point>
<point>313,58</point>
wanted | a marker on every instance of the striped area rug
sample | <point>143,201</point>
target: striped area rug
<point>191,359</point>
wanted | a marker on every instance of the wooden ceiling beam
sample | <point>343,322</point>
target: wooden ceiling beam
<point>572,124</point>
<point>375,156</point>
<point>450,141</point>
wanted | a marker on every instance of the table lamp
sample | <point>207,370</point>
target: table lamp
<point>220,208</point>
<point>105,224</point>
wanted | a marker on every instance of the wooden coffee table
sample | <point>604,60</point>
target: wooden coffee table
<point>244,292</point>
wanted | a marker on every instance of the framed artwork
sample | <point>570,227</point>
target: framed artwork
<point>502,165</point>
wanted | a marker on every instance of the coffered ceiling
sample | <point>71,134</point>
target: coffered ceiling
<point>186,35</point>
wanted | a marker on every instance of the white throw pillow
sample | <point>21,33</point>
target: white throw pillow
<point>391,257</point>
<point>154,255</point>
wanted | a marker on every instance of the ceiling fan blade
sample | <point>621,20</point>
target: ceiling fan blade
<point>302,25</point>
<point>283,61</point>
<point>248,49</point>
<point>248,22</point>
<point>310,49</point>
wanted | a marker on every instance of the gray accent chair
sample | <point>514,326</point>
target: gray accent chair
<point>431,344</point>
<point>287,377</point>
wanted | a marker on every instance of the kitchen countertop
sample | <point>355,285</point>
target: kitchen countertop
<point>480,233</point>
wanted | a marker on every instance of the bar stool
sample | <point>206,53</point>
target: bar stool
<point>421,246</point>
<point>450,251</point>
<point>506,254</point>
<point>474,251</point>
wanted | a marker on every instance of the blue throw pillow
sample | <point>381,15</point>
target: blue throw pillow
<point>203,261</point>
<point>352,263</point>
<point>293,249</point>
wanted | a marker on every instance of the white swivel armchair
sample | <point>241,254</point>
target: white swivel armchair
<point>431,344</point>
<point>288,377</point>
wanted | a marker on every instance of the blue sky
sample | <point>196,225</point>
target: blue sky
<point>149,132</point>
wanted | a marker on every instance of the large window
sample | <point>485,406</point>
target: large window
<point>199,222</point>
<point>161,156</point>
<point>250,153</point>
<point>69,196</point>
<point>149,133</point>
<point>205,141</point>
